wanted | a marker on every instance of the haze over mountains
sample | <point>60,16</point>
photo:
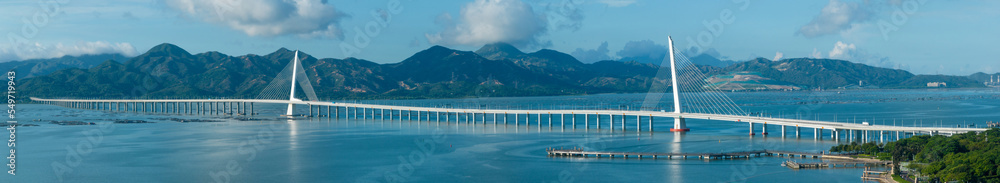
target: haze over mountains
<point>438,72</point>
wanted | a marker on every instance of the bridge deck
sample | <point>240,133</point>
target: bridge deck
<point>826,125</point>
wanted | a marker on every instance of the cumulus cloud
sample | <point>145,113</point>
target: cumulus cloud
<point>645,51</point>
<point>307,18</point>
<point>851,52</point>
<point>842,50</point>
<point>592,55</point>
<point>617,3</point>
<point>835,17</point>
<point>488,21</point>
<point>816,54</point>
<point>778,56</point>
<point>40,51</point>
<point>644,48</point>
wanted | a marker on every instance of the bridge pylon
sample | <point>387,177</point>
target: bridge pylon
<point>679,124</point>
<point>291,80</point>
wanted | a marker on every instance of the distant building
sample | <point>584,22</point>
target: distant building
<point>937,84</point>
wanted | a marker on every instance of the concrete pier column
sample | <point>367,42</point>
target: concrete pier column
<point>751,129</point>
<point>651,123</point>
<point>611,121</point>
<point>638,120</point>
<point>597,119</point>
<point>680,125</point>
<point>527,119</point>
<point>516,119</point>
<point>494,118</point>
<point>623,121</point>
<point>783,130</point>
<point>763,129</point>
<point>835,135</point>
<point>562,118</point>
<point>573,116</point>
<point>550,119</point>
<point>816,133</point>
<point>586,121</point>
<point>881,136</point>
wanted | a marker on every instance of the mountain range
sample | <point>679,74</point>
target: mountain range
<point>167,70</point>
<point>38,67</point>
<point>494,70</point>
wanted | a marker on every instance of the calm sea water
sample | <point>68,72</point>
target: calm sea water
<point>355,150</point>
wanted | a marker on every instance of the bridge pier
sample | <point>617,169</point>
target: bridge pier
<point>835,135</point>
<point>573,115</point>
<point>550,120</point>
<point>562,118</point>
<point>527,119</point>
<point>681,126</point>
<point>864,136</point>
<point>783,131</point>
<point>597,119</point>
<point>763,129</point>
<point>623,121</point>
<point>586,121</point>
<point>638,121</point>
<point>651,124</point>
<point>751,128</point>
<point>817,133</point>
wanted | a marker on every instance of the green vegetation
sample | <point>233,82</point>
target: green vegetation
<point>968,157</point>
<point>899,179</point>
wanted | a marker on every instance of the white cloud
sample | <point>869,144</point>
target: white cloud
<point>644,48</point>
<point>778,56</point>
<point>489,21</point>
<point>842,50</point>
<point>836,17</point>
<point>816,54</point>
<point>40,51</point>
<point>307,18</point>
<point>592,55</point>
<point>617,3</point>
<point>851,52</point>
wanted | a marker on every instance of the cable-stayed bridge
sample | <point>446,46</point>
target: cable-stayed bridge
<point>693,98</point>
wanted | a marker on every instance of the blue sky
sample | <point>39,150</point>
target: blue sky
<point>922,36</point>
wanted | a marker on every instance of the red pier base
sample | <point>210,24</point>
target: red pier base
<point>765,133</point>
<point>680,129</point>
<point>752,134</point>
